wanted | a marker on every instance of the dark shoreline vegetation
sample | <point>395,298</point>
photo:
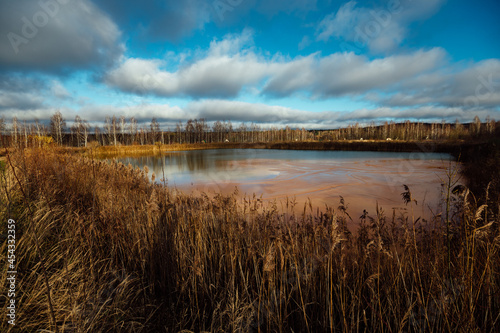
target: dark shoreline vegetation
<point>100,248</point>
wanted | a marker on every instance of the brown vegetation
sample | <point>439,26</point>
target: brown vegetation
<point>100,248</point>
<point>454,148</point>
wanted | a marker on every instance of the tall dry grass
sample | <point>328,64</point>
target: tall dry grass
<point>101,249</point>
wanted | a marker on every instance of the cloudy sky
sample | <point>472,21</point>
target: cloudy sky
<point>311,63</point>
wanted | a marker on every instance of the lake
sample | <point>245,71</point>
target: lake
<point>362,178</point>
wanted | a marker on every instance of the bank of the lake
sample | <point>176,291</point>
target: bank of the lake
<point>452,147</point>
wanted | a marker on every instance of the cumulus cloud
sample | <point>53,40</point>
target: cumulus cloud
<point>59,91</point>
<point>305,42</point>
<point>243,112</point>
<point>17,82</point>
<point>473,86</point>
<point>346,73</point>
<point>381,28</point>
<point>340,23</point>
<point>211,77</point>
<point>21,93</point>
<point>141,112</point>
<point>229,66</point>
<point>55,35</point>
<point>20,100</point>
<point>232,66</point>
<point>213,110</point>
<point>223,72</point>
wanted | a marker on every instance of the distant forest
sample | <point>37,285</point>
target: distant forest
<point>123,131</point>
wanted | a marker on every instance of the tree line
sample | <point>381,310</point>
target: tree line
<point>123,131</point>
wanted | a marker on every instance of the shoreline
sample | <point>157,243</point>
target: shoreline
<point>455,148</point>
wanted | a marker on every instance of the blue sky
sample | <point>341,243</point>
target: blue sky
<point>303,63</point>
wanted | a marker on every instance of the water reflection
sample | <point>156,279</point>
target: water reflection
<point>241,165</point>
<point>364,179</point>
<point>202,166</point>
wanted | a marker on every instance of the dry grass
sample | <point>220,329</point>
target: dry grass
<point>101,249</point>
<point>133,150</point>
<point>352,145</point>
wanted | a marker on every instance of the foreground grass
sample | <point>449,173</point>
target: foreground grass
<point>100,248</point>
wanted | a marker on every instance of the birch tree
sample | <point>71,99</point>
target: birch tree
<point>57,127</point>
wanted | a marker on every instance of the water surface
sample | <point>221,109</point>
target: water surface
<point>362,178</point>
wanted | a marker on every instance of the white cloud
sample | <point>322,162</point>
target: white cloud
<point>244,112</point>
<point>232,44</point>
<point>141,112</point>
<point>474,85</point>
<point>253,112</point>
<point>223,72</point>
<point>229,67</point>
<point>348,74</point>
<point>19,100</point>
<point>56,36</point>
<point>305,42</point>
<point>27,93</point>
<point>381,29</point>
<point>340,23</point>
<point>59,91</point>
<point>268,115</point>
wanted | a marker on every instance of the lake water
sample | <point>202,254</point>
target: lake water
<point>362,178</point>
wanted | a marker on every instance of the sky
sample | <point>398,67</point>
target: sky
<point>302,63</point>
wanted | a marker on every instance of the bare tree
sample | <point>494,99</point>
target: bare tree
<point>178,130</point>
<point>85,127</point>
<point>155,129</point>
<point>228,127</point>
<point>112,129</point>
<point>189,130</point>
<point>133,129</point>
<point>38,128</point>
<point>2,129</point>
<point>123,124</point>
<point>243,132</point>
<point>490,125</point>
<point>107,129</point>
<point>81,130</point>
<point>217,128</point>
<point>477,125</point>
<point>75,129</point>
<point>98,136</point>
<point>199,126</point>
<point>57,127</point>
<point>142,134</point>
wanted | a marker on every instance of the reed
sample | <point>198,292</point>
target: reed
<point>454,148</point>
<point>118,253</point>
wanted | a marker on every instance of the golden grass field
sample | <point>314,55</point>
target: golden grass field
<point>102,249</point>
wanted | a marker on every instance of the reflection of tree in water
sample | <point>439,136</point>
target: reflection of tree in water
<point>215,165</point>
<point>193,162</point>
